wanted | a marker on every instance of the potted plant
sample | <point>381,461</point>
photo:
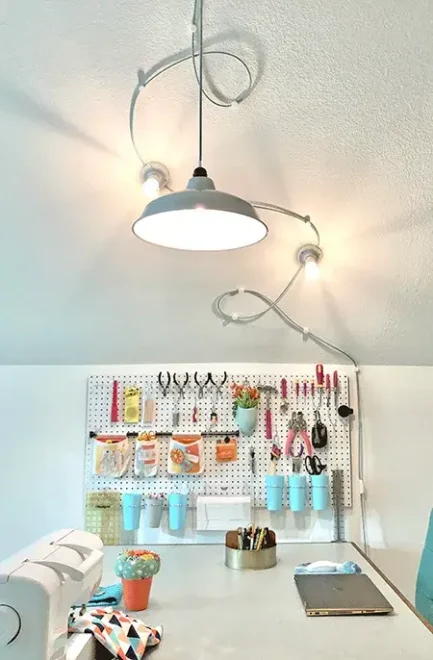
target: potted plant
<point>245,406</point>
<point>137,568</point>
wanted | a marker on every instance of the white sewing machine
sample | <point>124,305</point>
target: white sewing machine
<point>38,587</point>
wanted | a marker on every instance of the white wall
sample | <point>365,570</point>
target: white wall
<point>43,435</point>
<point>398,424</point>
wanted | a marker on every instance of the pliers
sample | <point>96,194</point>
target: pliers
<point>201,385</point>
<point>218,386</point>
<point>164,386</point>
<point>181,386</point>
<point>297,425</point>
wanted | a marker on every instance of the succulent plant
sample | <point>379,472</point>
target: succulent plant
<point>137,564</point>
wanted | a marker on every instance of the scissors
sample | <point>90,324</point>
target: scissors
<point>314,465</point>
<point>297,425</point>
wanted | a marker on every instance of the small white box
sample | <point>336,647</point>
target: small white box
<point>222,513</point>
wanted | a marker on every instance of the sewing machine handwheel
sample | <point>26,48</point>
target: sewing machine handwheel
<point>10,625</point>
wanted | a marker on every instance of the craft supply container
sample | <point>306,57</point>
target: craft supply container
<point>131,503</point>
<point>319,491</point>
<point>246,419</point>
<point>274,492</point>
<point>255,560</point>
<point>152,512</point>
<point>177,508</point>
<point>297,491</point>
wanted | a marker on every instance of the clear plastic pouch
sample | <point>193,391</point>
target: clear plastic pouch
<point>111,455</point>
<point>146,455</point>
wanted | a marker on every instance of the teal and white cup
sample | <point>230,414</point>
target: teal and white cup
<point>274,492</point>
<point>177,507</point>
<point>297,491</point>
<point>319,491</point>
<point>131,503</point>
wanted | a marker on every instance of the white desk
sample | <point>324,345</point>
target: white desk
<point>210,612</point>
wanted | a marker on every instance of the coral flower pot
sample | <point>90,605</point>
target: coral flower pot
<point>136,594</point>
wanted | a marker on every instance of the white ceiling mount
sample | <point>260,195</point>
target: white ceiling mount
<point>200,218</point>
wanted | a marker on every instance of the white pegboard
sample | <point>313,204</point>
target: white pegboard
<point>218,478</point>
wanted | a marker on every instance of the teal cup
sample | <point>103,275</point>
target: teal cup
<point>152,512</point>
<point>319,491</point>
<point>177,503</point>
<point>131,503</point>
<point>274,492</point>
<point>297,491</point>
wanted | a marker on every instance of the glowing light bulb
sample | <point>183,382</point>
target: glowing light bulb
<point>151,186</point>
<point>312,271</point>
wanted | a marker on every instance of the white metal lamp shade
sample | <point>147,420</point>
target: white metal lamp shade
<point>201,219</point>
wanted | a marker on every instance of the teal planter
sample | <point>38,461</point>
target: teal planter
<point>246,419</point>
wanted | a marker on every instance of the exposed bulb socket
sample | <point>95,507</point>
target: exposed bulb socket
<point>154,178</point>
<point>310,256</point>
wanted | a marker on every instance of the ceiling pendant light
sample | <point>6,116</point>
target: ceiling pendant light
<point>200,217</point>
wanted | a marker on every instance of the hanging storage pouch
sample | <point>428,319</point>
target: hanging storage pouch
<point>111,455</point>
<point>186,454</point>
<point>146,455</point>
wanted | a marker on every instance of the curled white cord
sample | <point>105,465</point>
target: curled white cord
<point>144,81</point>
<point>308,334</point>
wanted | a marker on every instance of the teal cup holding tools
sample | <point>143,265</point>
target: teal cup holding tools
<point>152,512</point>
<point>177,503</point>
<point>319,491</point>
<point>131,503</point>
<point>274,492</point>
<point>297,491</point>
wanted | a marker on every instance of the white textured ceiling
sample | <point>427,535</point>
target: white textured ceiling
<point>340,125</point>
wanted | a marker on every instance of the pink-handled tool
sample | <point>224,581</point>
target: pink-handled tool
<point>336,389</point>
<point>297,390</point>
<point>328,396</point>
<point>298,425</point>
<point>268,424</point>
<point>268,390</point>
<point>319,381</point>
<point>114,417</point>
<point>285,404</point>
<point>305,389</point>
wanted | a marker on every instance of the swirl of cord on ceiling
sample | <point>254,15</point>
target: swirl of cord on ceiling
<point>143,81</point>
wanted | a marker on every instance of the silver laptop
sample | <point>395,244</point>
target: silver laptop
<point>340,594</point>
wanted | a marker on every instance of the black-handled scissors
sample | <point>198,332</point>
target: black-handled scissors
<point>201,385</point>
<point>314,465</point>
<point>181,387</point>
<point>164,387</point>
